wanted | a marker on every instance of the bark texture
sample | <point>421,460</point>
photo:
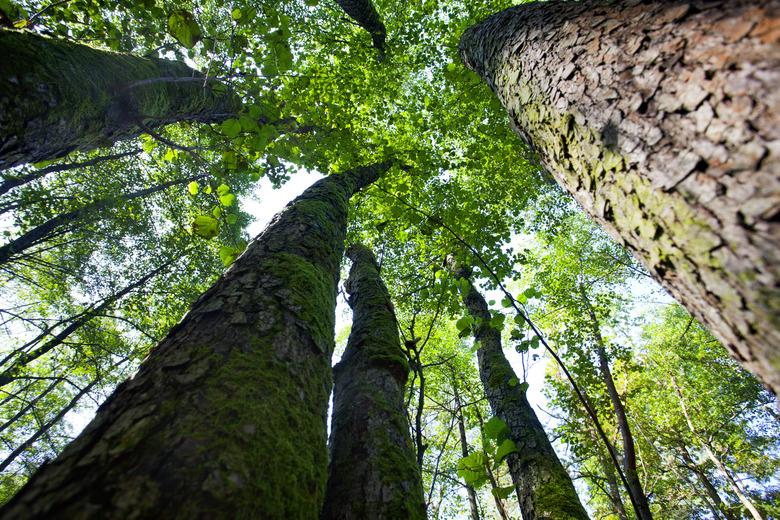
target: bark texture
<point>662,118</point>
<point>366,15</point>
<point>373,471</point>
<point>57,97</point>
<point>226,418</point>
<point>544,489</point>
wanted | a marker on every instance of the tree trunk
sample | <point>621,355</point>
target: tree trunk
<point>629,451</point>
<point>57,97</point>
<point>662,119</point>
<point>367,17</point>
<point>464,447</point>
<point>544,489</point>
<point>373,472</point>
<point>226,418</point>
<point>613,488</point>
<point>705,481</point>
<point>735,487</point>
<point>54,226</point>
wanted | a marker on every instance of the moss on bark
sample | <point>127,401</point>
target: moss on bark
<point>57,97</point>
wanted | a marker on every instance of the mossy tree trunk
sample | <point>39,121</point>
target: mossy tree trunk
<point>662,119</point>
<point>373,471</point>
<point>226,418</point>
<point>367,17</point>
<point>544,488</point>
<point>57,97</point>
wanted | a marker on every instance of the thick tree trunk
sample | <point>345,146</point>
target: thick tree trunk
<point>464,447</point>
<point>58,96</point>
<point>367,17</point>
<point>629,450</point>
<point>373,472</point>
<point>663,120</point>
<point>226,418</point>
<point>544,489</point>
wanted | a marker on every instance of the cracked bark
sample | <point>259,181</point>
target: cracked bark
<point>366,15</point>
<point>57,97</point>
<point>226,418</point>
<point>544,488</point>
<point>373,471</point>
<point>662,119</point>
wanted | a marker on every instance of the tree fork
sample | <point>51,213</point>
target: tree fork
<point>58,96</point>
<point>663,120</point>
<point>373,472</point>
<point>226,418</point>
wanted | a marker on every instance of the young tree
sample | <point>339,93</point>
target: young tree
<point>544,489</point>
<point>662,120</point>
<point>57,96</point>
<point>373,470</point>
<point>199,428</point>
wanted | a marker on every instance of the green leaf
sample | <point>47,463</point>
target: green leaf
<point>205,227</point>
<point>193,188</point>
<point>227,200</point>
<point>223,189</point>
<point>236,14</point>
<point>464,323</point>
<point>217,212</point>
<point>502,492</point>
<point>231,127</point>
<point>505,448</point>
<point>183,27</point>
<point>506,302</point>
<point>495,429</point>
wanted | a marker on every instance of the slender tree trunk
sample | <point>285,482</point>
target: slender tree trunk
<point>373,472</point>
<point>366,15</point>
<point>226,418</point>
<point>613,488</point>
<point>54,225</point>
<point>11,182</point>
<point>544,489</point>
<point>629,450</point>
<point>464,448</point>
<point>500,507</point>
<point>23,359</point>
<point>57,97</point>
<point>743,498</point>
<point>662,118</point>
<point>709,487</point>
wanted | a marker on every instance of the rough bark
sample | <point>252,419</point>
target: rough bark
<point>629,450</point>
<point>57,97</point>
<point>544,488</point>
<point>226,418</point>
<point>367,17</point>
<point>662,119</point>
<point>373,472</point>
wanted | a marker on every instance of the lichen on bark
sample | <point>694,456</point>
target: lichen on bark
<point>373,471</point>
<point>58,96</point>
<point>662,120</point>
<point>226,418</point>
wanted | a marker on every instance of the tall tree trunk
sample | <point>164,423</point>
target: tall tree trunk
<point>629,451</point>
<point>54,226</point>
<point>613,488</point>
<point>57,97</point>
<point>544,489</point>
<point>663,120</point>
<point>743,498</point>
<point>705,481</point>
<point>464,447</point>
<point>226,418</point>
<point>367,17</point>
<point>373,472</point>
